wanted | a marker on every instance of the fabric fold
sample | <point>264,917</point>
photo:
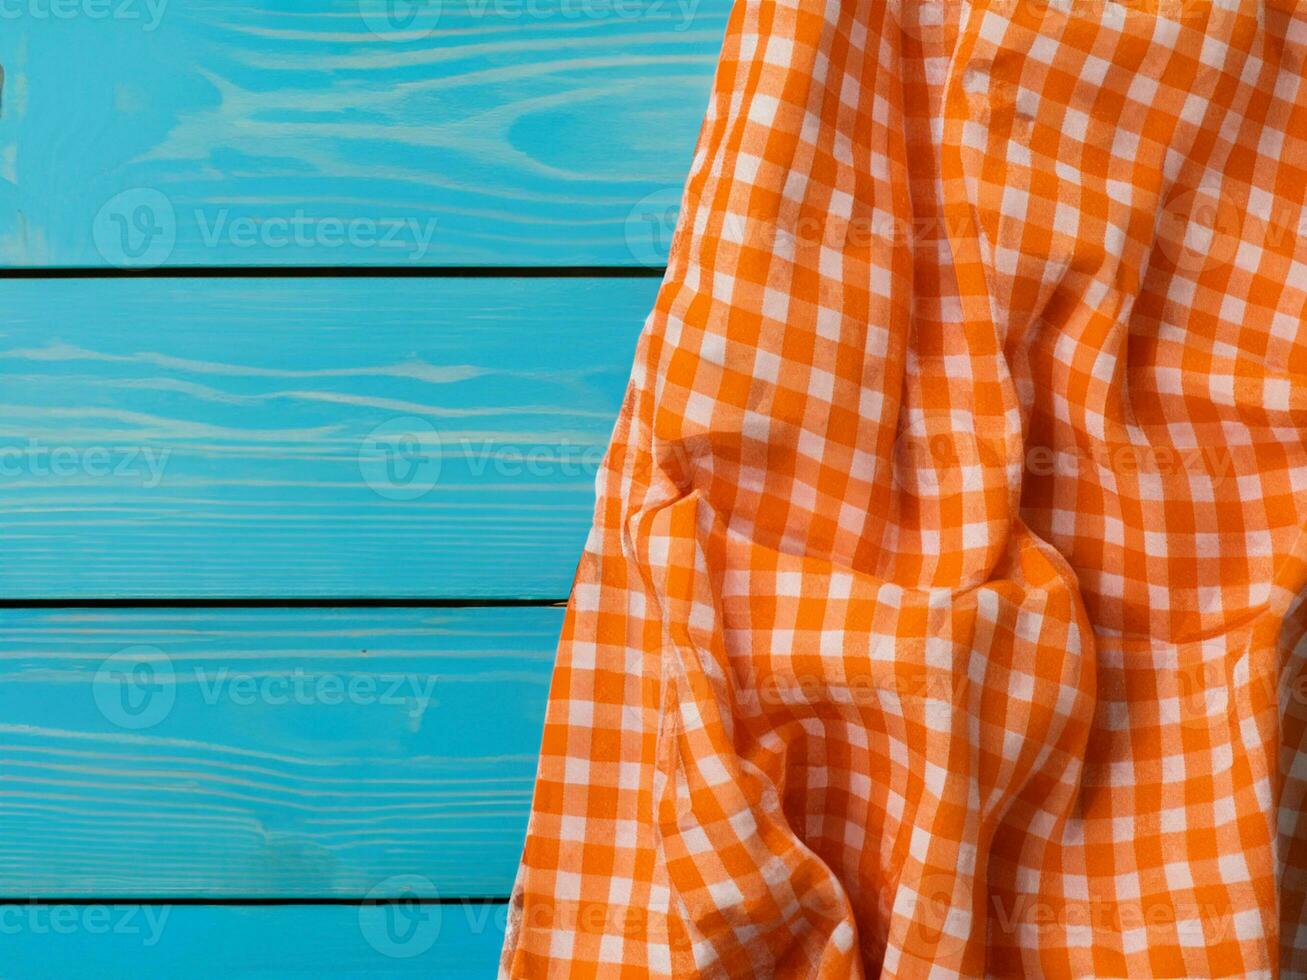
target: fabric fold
<point>942,614</point>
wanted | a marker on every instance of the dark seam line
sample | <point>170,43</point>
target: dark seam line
<point>346,272</point>
<point>263,603</point>
<point>225,902</point>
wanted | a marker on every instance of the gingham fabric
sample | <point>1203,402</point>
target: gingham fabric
<point>942,612</point>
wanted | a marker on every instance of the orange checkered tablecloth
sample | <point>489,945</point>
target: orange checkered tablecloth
<point>942,615</point>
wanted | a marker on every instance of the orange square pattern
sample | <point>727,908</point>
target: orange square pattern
<point>943,612</point>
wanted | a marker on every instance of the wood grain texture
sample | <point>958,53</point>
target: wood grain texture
<point>306,438</point>
<point>315,132</point>
<point>268,753</point>
<point>115,942</point>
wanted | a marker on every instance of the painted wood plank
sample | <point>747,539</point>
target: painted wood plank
<point>302,438</point>
<point>117,942</point>
<point>160,753</point>
<point>321,132</point>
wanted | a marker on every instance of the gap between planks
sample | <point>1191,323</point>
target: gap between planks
<point>344,272</point>
<point>201,602</point>
<point>228,902</point>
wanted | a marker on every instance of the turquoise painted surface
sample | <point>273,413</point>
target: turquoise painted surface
<point>111,942</point>
<point>261,752</point>
<point>287,438</point>
<point>324,132</point>
<point>305,438</point>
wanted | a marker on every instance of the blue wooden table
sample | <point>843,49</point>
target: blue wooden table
<point>317,317</point>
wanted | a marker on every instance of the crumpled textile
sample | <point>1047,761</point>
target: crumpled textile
<point>942,615</point>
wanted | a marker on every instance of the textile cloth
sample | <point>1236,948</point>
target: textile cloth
<point>942,614</point>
